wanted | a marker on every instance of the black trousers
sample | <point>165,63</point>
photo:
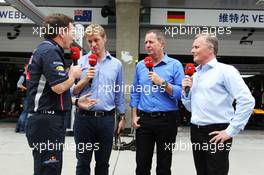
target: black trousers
<point>209,158</point>
<point>161,130</point>
<point>46,135</point>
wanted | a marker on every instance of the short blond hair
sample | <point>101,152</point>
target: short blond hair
<point>210,40</point>
<point>95,29</point>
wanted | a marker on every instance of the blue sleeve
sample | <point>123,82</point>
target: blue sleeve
<point>134,95</point>
<point>119,93</point>
<point>20,81</point>
<point>177,86</point>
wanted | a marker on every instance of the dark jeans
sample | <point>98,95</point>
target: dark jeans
<point>46,135</point>
<point>93,134</point>
<point>161,130</point>
<point>209,158</point>
<point>22,120</point>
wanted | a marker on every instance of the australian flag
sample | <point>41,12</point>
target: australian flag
<point>83,15</point>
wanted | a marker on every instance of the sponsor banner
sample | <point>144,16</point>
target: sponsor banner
<point>9,14</point>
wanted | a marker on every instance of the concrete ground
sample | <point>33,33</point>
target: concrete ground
<point>246,156</point>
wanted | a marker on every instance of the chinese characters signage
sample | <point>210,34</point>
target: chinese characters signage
<point>204,17</point>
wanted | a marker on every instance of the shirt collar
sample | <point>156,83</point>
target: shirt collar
<point>107,56</point>
<point>56,44</point>
<point>164,60</point>
<point>212,63</point>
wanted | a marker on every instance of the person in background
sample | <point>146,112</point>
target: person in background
<point>22,91</point>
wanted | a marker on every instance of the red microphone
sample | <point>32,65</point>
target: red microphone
<point>189,70</point>
<point>75,55</point>
<point>92,61</point>
<point>149,63</point>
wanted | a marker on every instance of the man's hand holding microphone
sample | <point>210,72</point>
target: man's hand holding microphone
<point>75,72</point>
<point>154,77</point>
<point>92,60</point>
<point>90,74</point>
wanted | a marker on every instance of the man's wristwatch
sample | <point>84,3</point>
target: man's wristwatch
<point>76,102</point>
<point>122,116</point>
<point>164,84</point>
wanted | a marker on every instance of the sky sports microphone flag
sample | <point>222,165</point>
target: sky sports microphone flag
<point>83,15</point>
<point>149,63</point>
<point>92,60</point>
<point>189,70</point>
<point>175,16</point>
<point>75,54</point>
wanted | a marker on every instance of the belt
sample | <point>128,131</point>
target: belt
<point>49,112</point>
<point>97,113</point>
<point>156,114</point>
<point>212,126</point>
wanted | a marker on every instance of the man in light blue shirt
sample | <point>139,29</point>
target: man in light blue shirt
<point>214,121</point>
<point>154,103</point>
<point>93,127</point>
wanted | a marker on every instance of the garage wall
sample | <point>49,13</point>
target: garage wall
<point>26,41</point>
<point>229,45</point>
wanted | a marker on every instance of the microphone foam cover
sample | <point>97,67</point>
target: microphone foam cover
<point>92,59</point>
<point>75,53</point>
<point>149,62</point>
<point>189,69</point>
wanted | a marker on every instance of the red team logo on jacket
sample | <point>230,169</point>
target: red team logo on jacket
<point>28,76</point>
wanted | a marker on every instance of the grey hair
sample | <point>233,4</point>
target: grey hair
<point>210,39</point>
<point>159,34</point>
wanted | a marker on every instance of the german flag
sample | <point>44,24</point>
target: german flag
<point>175,17</point>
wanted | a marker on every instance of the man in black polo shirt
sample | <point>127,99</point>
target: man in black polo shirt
<point>49,96</point>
